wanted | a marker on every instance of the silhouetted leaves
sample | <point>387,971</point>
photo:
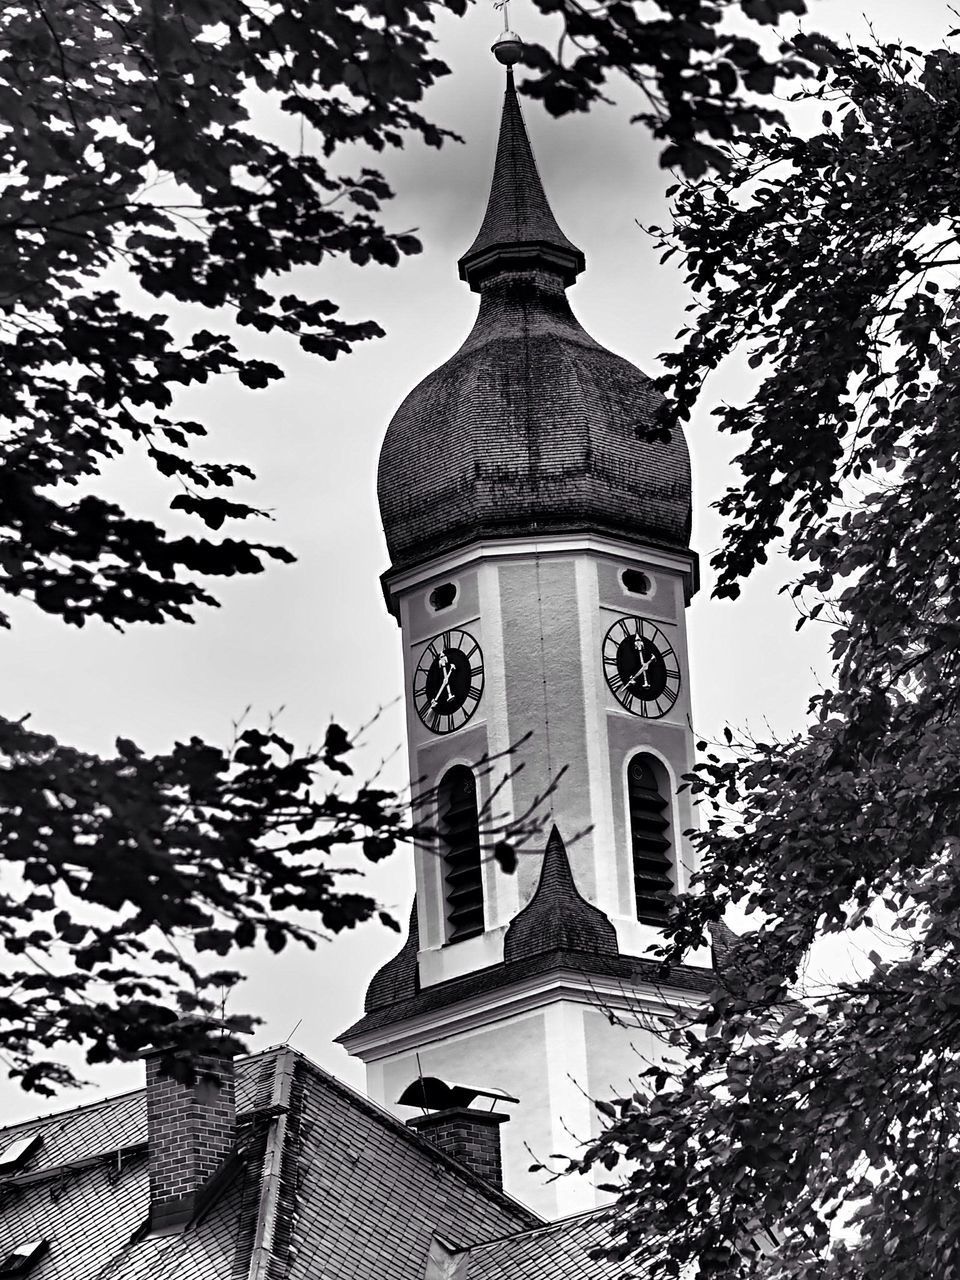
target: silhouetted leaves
<point>505,856</point>
<point>698,68</point>
<point>209,849</point>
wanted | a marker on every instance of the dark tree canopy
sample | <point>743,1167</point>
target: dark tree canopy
<point>133,182</point>
<point>828,1118</point>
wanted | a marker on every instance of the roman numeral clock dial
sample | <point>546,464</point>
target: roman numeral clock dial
<point>641,667</point>
<point>448,681</point>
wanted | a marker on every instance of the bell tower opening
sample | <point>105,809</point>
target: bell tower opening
<point>459,829</point>
<point>648,796</point>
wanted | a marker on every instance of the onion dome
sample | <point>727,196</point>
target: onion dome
<point>558,917</point>
<point>531,428</point>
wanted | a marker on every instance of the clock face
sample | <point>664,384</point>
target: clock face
<point>448,681</point>
<point>641,667</point>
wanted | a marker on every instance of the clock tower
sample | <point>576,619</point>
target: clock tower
<point>540,570</point>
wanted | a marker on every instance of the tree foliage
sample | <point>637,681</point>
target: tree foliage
<point>135,181</point>
<point>111,864</point>
<point>704,80</point>
<point>826,1115</point>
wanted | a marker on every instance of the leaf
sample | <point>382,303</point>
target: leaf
<point>505,856</point>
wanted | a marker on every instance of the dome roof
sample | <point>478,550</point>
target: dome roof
<point>531,428</point>
<point>558,917</point>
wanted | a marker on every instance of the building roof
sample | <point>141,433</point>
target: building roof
<point>557,930</point>
<point>532,427</point>
<point>556,919</point>
<point>325,1185</point>
<point>398,979</point>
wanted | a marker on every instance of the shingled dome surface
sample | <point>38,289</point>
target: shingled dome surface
<point>531,428</point>
<point>558,917</point>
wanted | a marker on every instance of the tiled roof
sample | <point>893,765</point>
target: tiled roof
<point>518,224</point>
<point>115,1123</point>
<point>372,1192</point>
<point>558,917</point>
<point>561,1251</point>
<point>628,969</point>
<point>348,1193</point>
<point>86,1192</point>
<point>530,428</point>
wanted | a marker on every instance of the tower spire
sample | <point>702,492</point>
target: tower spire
<point>518,230</point>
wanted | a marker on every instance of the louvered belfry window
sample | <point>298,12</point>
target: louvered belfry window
<point>650,834</point>
<point>460,847</point>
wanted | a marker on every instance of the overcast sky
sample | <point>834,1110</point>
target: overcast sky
<point>315,638</point>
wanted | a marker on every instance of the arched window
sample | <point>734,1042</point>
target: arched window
<point>650,837</point>
<point>460,847</point>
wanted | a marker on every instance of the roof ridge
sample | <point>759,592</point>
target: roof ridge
<point>88,1107</point>
<point>391,1121</point>
<point>271,1189</point>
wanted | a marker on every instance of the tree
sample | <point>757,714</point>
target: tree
<point>131,171</point>
<point>827,1118</point>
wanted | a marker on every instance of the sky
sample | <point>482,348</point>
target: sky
<point>313,641</point>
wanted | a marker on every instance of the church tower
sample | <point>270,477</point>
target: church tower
<point>540,569</point>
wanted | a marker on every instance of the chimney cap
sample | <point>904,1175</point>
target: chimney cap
<point>434,1094</point>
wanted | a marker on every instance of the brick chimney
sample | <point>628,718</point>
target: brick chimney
<point>472,1137</point>
<point>191,1129</point>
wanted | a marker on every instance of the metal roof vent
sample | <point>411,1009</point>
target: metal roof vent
<point>21,1259</point>
<point>16,1154</point>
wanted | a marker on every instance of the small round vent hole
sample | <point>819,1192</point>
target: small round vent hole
<point>442,597</point>
<point>636,582</point>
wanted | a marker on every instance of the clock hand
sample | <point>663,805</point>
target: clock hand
<point>447,667</point>
<point>642,670</point>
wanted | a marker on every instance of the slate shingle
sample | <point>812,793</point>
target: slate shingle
<point>518,224</point>
<point>398,978</point>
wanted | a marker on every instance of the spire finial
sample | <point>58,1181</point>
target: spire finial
<point>508,47</point>
<point>519,230</point>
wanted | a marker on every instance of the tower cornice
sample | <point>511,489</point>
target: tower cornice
<point>635,987</point>
<point>686,564</point>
